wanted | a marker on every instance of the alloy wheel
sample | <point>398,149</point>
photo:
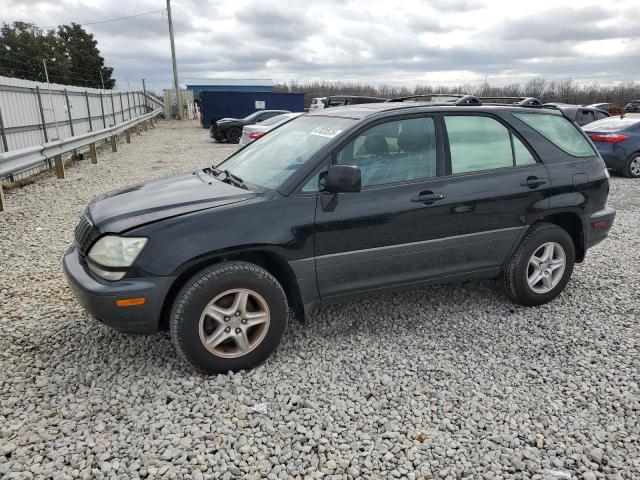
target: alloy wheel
<point>546,267</point>
<point>234,323</point>
<point>634,167</point>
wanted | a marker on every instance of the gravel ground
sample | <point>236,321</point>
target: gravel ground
<point>448,382</point>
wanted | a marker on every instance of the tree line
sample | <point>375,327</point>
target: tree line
<point>561,91</point>
<point>71,54</point>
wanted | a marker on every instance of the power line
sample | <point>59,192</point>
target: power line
<point>20,61</point>
<point>111,19</point>
<point>50,65</point>
<point>58,72</point>
<point>8,69</point>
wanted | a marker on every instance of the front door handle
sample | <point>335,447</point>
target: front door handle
<point>427,197</point>
<point>533,182</point>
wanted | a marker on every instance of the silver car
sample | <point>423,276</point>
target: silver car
<point>253,132</point>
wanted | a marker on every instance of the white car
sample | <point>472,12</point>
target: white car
<point>253,132</point>
<point>317,103</point>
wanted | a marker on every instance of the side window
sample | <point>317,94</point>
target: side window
<point>478,143</point>
<point>522,153</point>
<point>601,115</point>
<point>393,152</point>
<point>559,131</point>
<point>312,184</point>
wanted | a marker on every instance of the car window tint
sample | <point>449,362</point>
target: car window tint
<point>393,152</point>
<point>478,143</point>
<point>312,184</point>
<point>522,153</point>
<point>559,131</point>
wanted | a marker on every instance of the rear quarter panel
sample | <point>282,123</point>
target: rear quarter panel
<point>578,185</point>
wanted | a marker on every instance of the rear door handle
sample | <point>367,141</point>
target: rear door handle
<point>427,197</point>
<point>533,182</point>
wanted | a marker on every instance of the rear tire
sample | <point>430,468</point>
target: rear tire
<point>228,317</point>
<point>541,266</point>
<point>233,135</point>
<point>632,169</point>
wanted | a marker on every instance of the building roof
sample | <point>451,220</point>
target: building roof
<point>230,82</point>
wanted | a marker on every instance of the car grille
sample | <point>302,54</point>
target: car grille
<point>85,233</point>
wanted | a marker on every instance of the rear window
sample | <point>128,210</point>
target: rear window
<point>559,131</point>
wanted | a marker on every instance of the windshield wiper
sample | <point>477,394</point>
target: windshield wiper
<point>229,178</point>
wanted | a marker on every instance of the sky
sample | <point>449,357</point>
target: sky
<point>438,42</point>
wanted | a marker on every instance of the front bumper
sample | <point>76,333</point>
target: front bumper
<point>216,133</point>
<point>99,297</point>
<point>600,223</point>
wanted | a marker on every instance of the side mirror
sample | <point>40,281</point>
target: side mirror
<point>343,179</point>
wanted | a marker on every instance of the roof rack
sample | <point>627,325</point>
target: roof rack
<point>453,96</point>
<point>472,100</point>
<point>468,100</point>
<point>520,101</point>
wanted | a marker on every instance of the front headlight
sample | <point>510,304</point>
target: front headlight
<point>115,251</point>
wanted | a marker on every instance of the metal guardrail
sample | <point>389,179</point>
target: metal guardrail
<point>24,158</point>
<point>15,161</point>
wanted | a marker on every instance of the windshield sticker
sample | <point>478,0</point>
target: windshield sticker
<point>325,132</point>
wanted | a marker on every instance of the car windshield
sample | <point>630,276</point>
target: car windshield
<point>270,160</point>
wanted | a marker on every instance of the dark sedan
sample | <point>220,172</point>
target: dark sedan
<point>618,141</point>
<point>230,129</point>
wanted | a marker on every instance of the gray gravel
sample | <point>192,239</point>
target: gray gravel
<point>448,382</point>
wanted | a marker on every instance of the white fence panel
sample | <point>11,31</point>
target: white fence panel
<point>31,113</point>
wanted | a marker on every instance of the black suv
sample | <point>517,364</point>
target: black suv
<point>336,204</point>
<point>230,129</point>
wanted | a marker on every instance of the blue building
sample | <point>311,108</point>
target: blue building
<point>199,85</point>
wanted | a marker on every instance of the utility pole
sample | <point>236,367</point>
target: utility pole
<point>173,58</point>
<point>101,79</point>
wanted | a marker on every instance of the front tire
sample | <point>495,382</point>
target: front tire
<point>632,169</point>
<point>230,316</point>
<point>233,135</point>
<point>541,266</point>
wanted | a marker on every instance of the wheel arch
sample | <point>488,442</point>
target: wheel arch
<point>270,261</point>
<point>571,222</point>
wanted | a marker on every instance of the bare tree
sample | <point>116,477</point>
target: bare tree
<point>565,90</point>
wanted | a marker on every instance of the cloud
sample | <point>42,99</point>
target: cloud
<point>274,23</point>
<point>565,24</point>
<point>440,41</point>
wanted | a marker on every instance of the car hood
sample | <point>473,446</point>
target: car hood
<point>148,202</point>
